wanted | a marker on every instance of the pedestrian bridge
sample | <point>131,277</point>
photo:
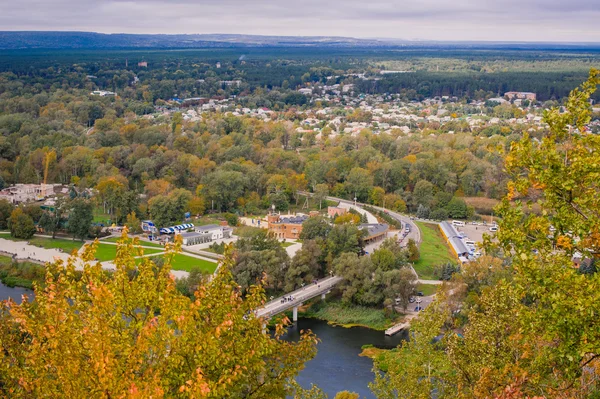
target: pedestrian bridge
<point>281,304</point>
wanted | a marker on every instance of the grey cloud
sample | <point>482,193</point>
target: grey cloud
<point>554,20</point>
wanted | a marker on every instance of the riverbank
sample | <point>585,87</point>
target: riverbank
<point>336,313</point>
<point>378,355</point>
<point>21,274</point>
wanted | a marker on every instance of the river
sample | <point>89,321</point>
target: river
<point>337,366</point>
<point>14,293</point>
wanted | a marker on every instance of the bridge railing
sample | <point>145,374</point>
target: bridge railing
<point>276,306</point>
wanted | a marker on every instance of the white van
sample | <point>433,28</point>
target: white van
<point>458,223</point>
<point>494,228</point>
<point>470,243</point>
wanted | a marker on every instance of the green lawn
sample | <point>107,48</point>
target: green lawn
<point>67,245</point>
<point>287,244</point>
<point>427,289</point>
<point>434,250</point>
<point>106,252</point>
<point>142,243</point>
<point>349,315</point>
<point>187,263</point>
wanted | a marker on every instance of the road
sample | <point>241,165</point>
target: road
<point>415,233</point>
<point>298,297</point>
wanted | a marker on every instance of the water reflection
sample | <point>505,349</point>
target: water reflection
<point>337,366</point>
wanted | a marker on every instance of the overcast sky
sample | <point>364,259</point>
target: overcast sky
<point>501,20</point>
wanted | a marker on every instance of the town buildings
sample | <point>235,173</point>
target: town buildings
<point>21,193</point>
<point>521,95</point>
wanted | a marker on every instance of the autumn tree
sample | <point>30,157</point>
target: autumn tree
<point>131,334</point>
<point>20,224</point>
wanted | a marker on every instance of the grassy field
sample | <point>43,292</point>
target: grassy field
<point>67,245</point>
<point>187,263</point>
<point>287,244</point>
<point>434,250</point>
<point>350,315</point>
<point>427,289</point>
<point>100,216</point>
<point>106,252</point>
<point>142,243</point>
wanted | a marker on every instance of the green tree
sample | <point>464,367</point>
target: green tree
<point>80,218</point>
<point>344,238</point>
<point>133,224</point>
<point>52,220</point>
<point>457,208</point>
<point>413,251</point>
<point>6,209</point>
<point>321,193</point>
<point>315,227</point>
<point>306,266</point>
<point>21,224</point>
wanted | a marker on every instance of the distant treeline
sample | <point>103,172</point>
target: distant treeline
<point>419,85</point>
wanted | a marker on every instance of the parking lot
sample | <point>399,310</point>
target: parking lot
<point>475,232</point>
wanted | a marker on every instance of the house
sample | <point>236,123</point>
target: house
<point>286,227</point>
<point>143,64</point>
<point>214,231</point>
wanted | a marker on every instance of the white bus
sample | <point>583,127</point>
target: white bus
<point>458,223</point>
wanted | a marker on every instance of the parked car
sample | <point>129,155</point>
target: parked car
<point>420,293</point>
<point>411,299</point>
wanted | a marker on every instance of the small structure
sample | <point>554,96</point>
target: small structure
<point>374,231</point>
<point>176,229</point>
<point>214,231</point>
<point>334,211</point>
<point>143,64</point>
<point>193,238</point>
<point>103,93</point>
<point>148,226</point>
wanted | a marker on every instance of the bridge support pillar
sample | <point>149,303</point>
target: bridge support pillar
<point>323,296</point>
<point>295,314</point>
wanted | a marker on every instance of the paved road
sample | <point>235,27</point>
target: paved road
<point>415,233</point>
<point>303,294</point>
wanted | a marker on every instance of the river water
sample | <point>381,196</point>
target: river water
<point>337,366</point>
<point>14,293</point>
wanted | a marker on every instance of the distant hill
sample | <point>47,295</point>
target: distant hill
<point>80,40</point>
<point>14,40</point>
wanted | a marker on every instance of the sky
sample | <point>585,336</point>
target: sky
<point>446,20</point>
